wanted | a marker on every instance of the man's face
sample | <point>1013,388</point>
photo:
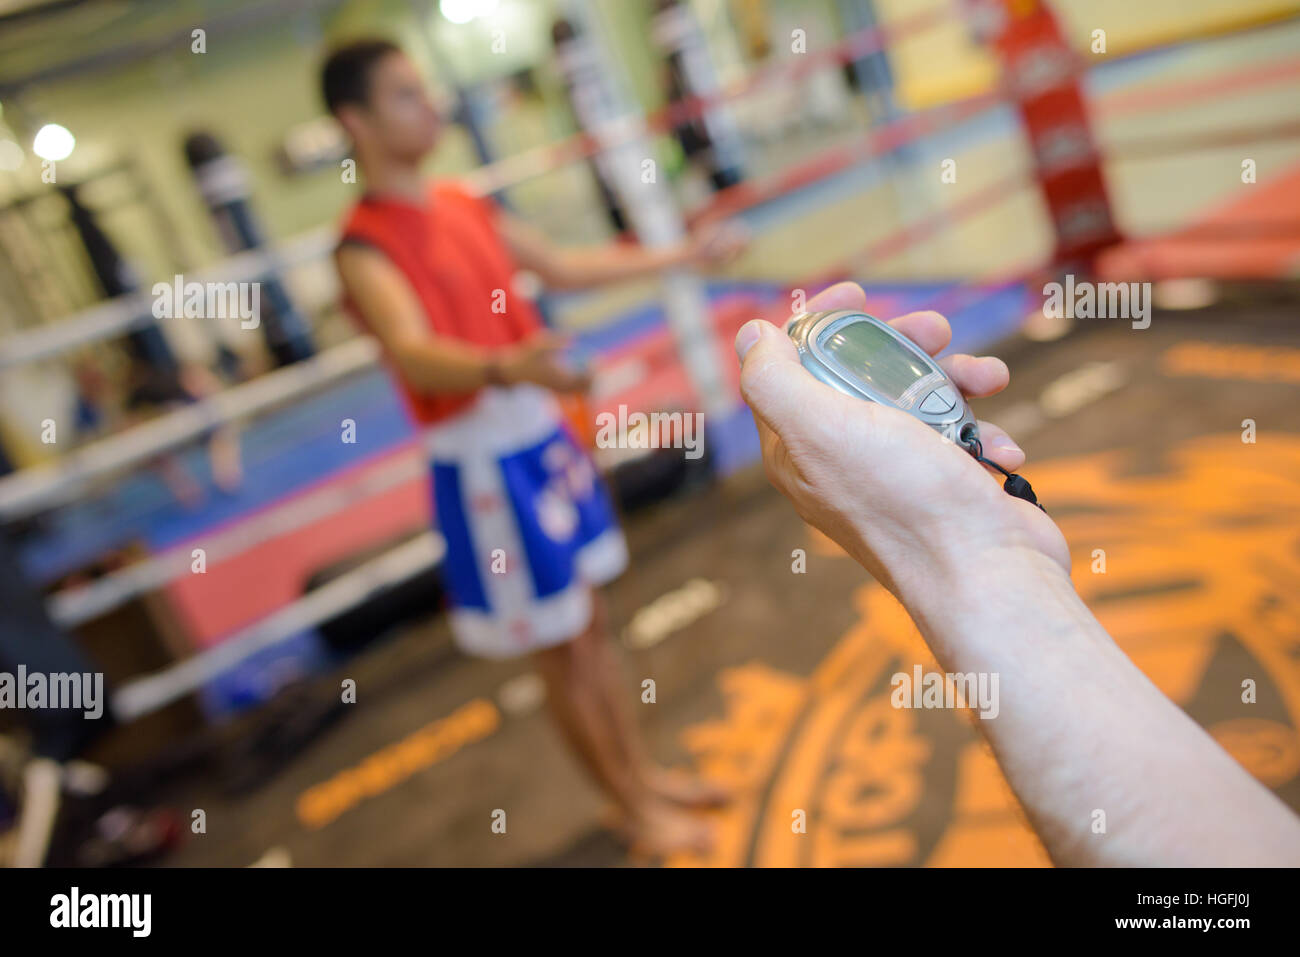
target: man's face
<point>399,118</point>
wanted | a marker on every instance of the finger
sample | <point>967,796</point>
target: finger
<point>842,295</point>
<point>976,375</point>
<point>928,329</point>
<point>773,382</point>
<point>1000,447</point>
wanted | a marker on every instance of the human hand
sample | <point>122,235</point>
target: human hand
<point>541,360</point>
<point>905,502</point>
<point>717,243</point>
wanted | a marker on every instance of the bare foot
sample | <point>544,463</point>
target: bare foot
<point>225,459</point>
<point>228,477</point>
<point>686,790</point>
<point>183,486</point>
<point>661,830</point>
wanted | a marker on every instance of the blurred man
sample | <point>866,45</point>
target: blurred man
<point>428,269</point>
<point>153,391</point>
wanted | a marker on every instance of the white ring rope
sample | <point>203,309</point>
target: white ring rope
<point>75,606</point>
<point>49,485</point>
<point>120,315</point>
<point>141,696</point>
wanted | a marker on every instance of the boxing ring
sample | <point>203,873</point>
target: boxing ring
<point>310,502</point>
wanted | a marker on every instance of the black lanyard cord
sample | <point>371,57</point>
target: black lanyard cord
<point>1014,485</point>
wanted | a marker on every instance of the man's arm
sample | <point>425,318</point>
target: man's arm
<point>985,576</point>
<point>1080,729</point>
<point>438,364</point>
<point>583,267</point>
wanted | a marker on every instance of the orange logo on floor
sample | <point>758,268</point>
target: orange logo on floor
<point>1200,588</point>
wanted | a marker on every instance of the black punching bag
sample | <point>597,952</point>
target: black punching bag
<point>223,183</point>
<point>116,278</point>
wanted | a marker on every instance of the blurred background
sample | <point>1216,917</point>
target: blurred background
<point>178,513</point>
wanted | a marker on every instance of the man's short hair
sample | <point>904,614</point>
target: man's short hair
<point>345,77</point>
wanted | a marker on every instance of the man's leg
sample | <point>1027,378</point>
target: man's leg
<point>569,694</point>
<point>682,789</point>
<point>574,679</point>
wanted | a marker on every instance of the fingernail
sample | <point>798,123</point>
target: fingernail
<point>748,335</point>
<point>1006,445</point>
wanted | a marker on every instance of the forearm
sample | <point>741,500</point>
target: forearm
<point>1079,729</point>
<point>595,266</point>
<point>444,366</point>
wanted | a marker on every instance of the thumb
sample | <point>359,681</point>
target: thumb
<point>774,383</point>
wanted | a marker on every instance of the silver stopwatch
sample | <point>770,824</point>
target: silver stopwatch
<point>861,356</point>
<point>868,359</point>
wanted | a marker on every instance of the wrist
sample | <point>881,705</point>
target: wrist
<point>498,369</point>
<point>974,604</point>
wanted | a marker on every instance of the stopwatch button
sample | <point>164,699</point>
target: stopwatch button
<point>939,401</point>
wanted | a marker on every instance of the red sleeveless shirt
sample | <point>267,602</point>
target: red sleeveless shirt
<point>459,268</point>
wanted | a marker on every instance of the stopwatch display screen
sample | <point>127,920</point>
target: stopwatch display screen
<point>875,357</point>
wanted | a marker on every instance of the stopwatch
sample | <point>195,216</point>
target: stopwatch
<point>863,357</point>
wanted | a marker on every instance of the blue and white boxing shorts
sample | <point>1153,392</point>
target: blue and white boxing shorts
<point>529,524</point>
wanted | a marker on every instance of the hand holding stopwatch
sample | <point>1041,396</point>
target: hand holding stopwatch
<point>861,356</point>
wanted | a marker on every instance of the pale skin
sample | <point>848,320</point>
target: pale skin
<point>986,578</point>
<point>393,132</point>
